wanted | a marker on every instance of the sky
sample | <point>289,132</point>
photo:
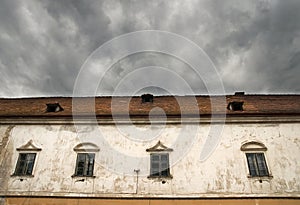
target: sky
<point>253,45</point>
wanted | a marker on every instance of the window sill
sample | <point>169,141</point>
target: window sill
<point>260,178</point>
<point>160,177</point>
<point>79,176</point>
<point>22,176</point>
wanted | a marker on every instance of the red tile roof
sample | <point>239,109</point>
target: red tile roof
<point>172,106</point>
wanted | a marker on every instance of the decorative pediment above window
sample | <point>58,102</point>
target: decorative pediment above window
<point>253,146</point>
<point>86,147</point>
<point>29,146</point>
<point>159,147</point>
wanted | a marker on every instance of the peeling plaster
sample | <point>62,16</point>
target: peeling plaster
<point>6,149</point>
<point>225,173</point>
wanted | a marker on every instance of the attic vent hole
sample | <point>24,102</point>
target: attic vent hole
<point>235,106</point>
<point>147,98</point>
<point>54,107</point>
<point>239,93</point>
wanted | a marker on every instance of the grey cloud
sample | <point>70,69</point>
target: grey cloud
<point>169,66</point>
<point>255,45</point>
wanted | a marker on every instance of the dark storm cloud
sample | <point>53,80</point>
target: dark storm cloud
<point>43,44</point>
<point>255,45</point>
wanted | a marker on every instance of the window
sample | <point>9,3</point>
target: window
<point>257,164</point>
<point>256,161</point>
<point>54,107</point>
<point>26,159</point>
<point>235,106</point>
<point>25,164</point>
<point>85,164</point>
<point>159,165</point>
<point>159,161</point>
<point>85,159</point>
<point>239,93</point>
<point>147,98</point>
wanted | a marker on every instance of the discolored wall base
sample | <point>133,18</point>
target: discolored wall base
<point>85,201</point>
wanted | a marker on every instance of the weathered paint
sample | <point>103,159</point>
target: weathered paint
<point>223,174</point>
<point>5,155</point>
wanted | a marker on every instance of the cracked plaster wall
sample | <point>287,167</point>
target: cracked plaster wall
<point>223,173</point>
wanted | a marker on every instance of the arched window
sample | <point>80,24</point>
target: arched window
<point>255,155</point>
<point>85,159</point>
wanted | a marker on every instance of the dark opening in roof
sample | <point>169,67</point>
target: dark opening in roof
<point>235,106</point>
<point>54,107</point>
<point>147,98</point>
<point>239,93</point>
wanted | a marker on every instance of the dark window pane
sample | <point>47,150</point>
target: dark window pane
<point>81,157</point>
<point>252,164</point>
<point>22,156</point>
<point>80,168</point>
<point>165,173</point>
<point>79,172</point>
<point>261,163</point>
<point>89,172</point>
<point>155,174</point>
<point>85,164</point>
<point>154,157</point>
<point>90,165</point>
<point>25,164</point>
<point>20,167</point>
<point>155,170</point>
<point>164,166</point>
<point>159,165</point>
<point>164,157</point>
<point>155,165</point>
<point>29,168</point>
<point>30,157</point>
<point>80,165</point>
<point>257,164</point>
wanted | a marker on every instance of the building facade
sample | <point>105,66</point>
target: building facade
<point>151,150</point>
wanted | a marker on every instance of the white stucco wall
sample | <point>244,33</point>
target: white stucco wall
<point>223,173</point>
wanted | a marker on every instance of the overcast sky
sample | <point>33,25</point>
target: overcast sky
<point>254,44</point>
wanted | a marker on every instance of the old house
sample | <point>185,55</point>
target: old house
<point>151,150</point>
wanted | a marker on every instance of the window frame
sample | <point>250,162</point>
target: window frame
<point>161,150</point>
<point>86,149</point>
<point>86,172</point>
<point>162,172</point>
<point>258,169</point>
<point>27,149</point>
<point>24,167</point>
